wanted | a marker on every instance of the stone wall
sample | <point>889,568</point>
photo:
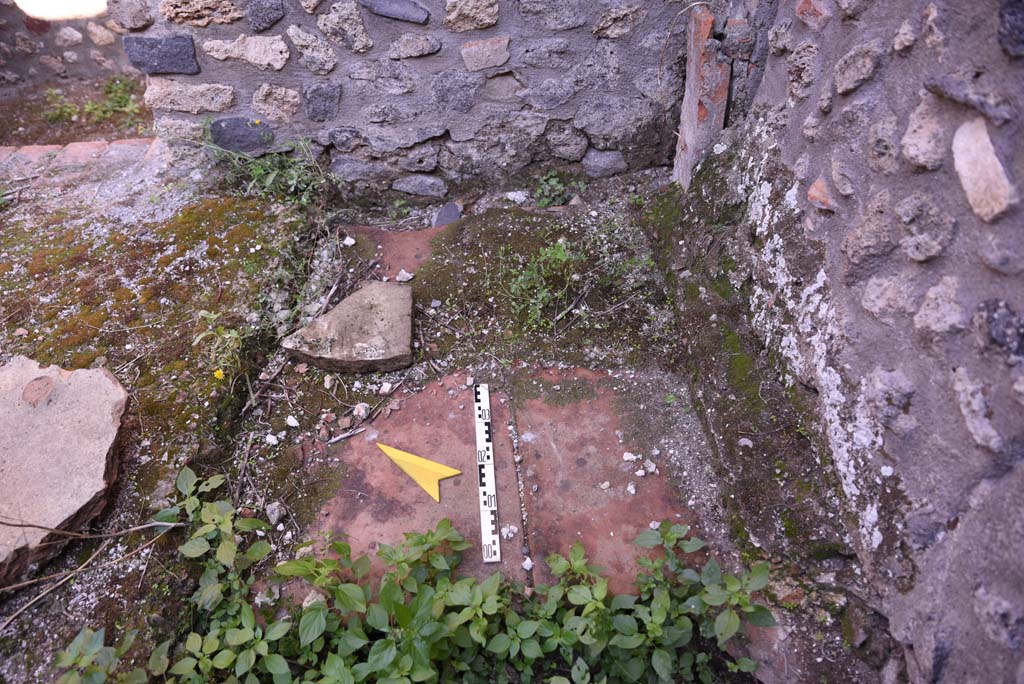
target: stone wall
<point>34,50</point>
<point>868,214</point>
<point>418,96</point>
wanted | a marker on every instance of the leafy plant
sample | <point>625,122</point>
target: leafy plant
<point>421,623</point>
<point>58,108</point>
<point>398,210</point>
<point>224,345</point>
<point>87,660</point>
<point>546,281</point>
<point>552,191</point>
<point>119,98</point>
<point>297,177</point>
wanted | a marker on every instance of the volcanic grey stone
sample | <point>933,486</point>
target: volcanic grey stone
<point>1011,27</point>
<point>455,89</point>
<point>421,184</point>
<point>421,159</point>
<point>967,91</point>
<point>346,138</point>
<point>322,101</point>
<point>350,169</point>
<point>566,142</point>
<point>240,134</point>
<point>57,455</point>
<point>931,230</point>
<point>370,330</point>
<point>550,93</point>
<point>449,213</point>
<point>262,14</point>
<point>598,164</point>
<point>403,10</point>
<point>344,25</point>
<point>167,55</point>
<point>555,15</point>
<point>1003,325</point>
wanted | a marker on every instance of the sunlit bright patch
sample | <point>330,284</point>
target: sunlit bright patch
<point>62,9</point>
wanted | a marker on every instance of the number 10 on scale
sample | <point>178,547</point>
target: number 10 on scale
<point>490,539</point>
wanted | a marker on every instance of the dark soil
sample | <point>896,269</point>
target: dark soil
<point>23,112</point>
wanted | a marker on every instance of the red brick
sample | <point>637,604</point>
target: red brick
<point>704,101</point>
<point>80,153</point>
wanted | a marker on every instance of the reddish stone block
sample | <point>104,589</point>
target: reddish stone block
<point>569,450</point>
<point>80,153</point>
<point>399,250</point>
<point>37,26</point>
<point>705,97</point>
<point>377,502</point>
<point>819,195</point>
<point>814,13</point>
<point>32,158</point>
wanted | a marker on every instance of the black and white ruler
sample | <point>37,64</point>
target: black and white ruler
<point>490,538</point>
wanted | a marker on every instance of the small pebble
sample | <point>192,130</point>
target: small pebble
<point>528,564</point>
<point>605,485</point>
<point>404,276</point>
<point>292,421</point>
<point>271,440</point>
<point>631,488</point>
<point>349,241</point>
<point>744,442</point>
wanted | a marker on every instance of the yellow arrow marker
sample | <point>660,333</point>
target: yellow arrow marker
<point>427,473</point>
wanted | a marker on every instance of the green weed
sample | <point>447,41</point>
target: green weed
<point>422,623</point>
<point>398,210</point>
<point>118,100</point>
<point>223,347</point>
<point>297,177</point>
<point>59,109</point>
<point>552,191</point>
<point>545,282</point>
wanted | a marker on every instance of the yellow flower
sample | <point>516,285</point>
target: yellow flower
<point>219,374</point>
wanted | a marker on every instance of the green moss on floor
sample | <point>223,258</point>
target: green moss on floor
<point>504,290</point>
<point>95,292</point>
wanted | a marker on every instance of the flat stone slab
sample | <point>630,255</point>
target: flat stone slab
<point>377,502</point>
<point>57,457</point>
<point>370,330</point>
<point>572,443</point>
